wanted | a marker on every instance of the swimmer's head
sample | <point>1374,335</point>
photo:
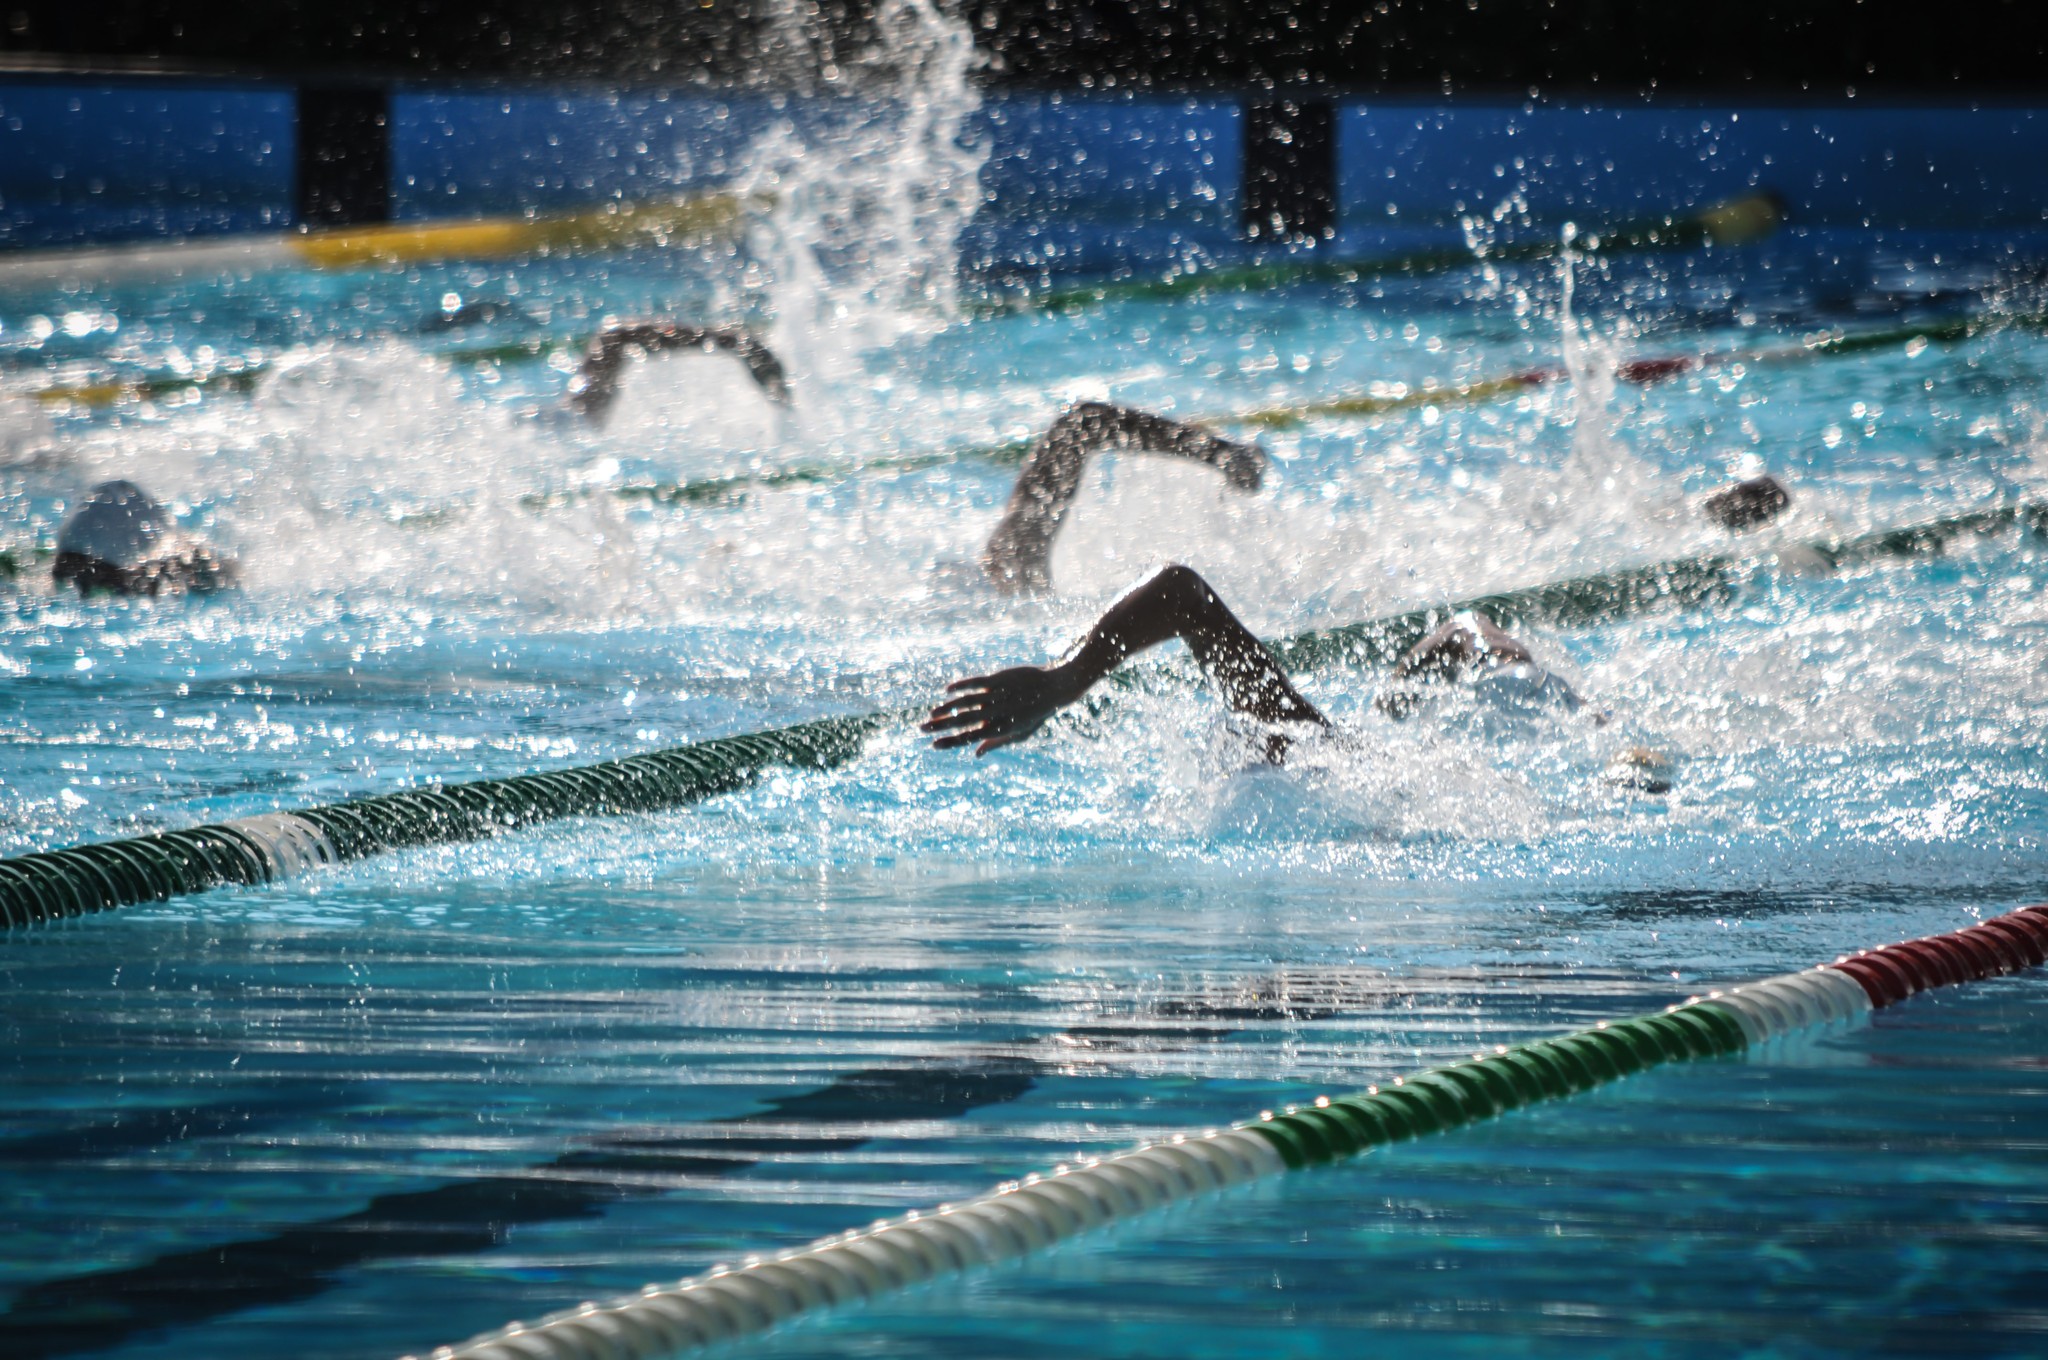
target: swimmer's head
<point>120,540</point>
<point>1471,646</point>
<point>1639,769</point>
<point>1520,688</point>
<point>1526,687</point>
<point>1465,642</point>
<point>118,523</point>
<point>1747,504</point>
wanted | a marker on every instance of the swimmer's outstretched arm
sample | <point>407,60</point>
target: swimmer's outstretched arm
<point>1018,557</point>
<point>597,383</point>
<point>1175,602</point>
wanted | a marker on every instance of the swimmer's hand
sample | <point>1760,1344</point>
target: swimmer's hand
<point>995,710</point>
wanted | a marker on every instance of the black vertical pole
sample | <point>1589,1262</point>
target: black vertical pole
<point>344,159</point>
<point>1290,169</point>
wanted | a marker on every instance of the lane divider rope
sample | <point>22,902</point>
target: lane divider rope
<point>714,215</point>
<point>1026,1216</point>
<point>1741,220</point>
<point>719,214</point>
<point>1628,592</point>
<point>1381,399</point>
<point>250,851</point>
<point>1388,398</point>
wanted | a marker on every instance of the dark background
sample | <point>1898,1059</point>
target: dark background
<point>1812,48</point>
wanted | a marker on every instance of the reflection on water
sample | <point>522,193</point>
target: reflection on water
<point>409,1101</point>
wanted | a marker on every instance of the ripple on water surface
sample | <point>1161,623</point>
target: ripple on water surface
<point>408,1101</point>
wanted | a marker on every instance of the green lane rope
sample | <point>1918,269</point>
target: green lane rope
<point>242,377</point>
<point>666,1320</point>
<point>1685,583</point>
<point>1735,221</point>
<point>250,851</point>
<point>1822,344</point>
<point>731,489</point>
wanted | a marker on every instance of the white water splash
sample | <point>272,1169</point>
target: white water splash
<point>25,434</point>
<point>1601,484</point>
<point>370,471</point>
<point>359,470</point>
<point>1589,361</point>
<point>871,187</point>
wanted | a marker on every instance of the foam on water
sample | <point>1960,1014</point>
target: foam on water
<point>1131,916</point>
<point>1745,703</point>
<point>381,499</point>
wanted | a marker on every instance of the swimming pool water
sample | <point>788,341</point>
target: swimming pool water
<point>381,1110</point>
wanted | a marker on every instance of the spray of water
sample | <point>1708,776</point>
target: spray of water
<point>359,469</point>
<point>25,434</point>
<point>1600,472</point>
<point>870,189</point>
<point>399,488</point>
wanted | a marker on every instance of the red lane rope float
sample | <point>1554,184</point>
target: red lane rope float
<point>2004,944</point>
<point>1657,368</point>
<point>665,1320</point>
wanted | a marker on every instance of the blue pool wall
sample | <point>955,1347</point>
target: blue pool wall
<point>1917,168</point>
<point>124,161</point>
<point>1072,181</point>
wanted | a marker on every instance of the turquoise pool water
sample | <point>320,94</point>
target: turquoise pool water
<point>381,1110</point>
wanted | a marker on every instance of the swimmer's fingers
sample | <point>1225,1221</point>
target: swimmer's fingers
<point>958,721</point>
<point>995,710</point>
<point>988,732</point>
<point>956,740</point>
<point>974,689</point>
<point>971,717</point>
<point>954,712</point>
<point>951,726</point>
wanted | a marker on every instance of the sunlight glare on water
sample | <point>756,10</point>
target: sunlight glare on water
<point>1127,925</point>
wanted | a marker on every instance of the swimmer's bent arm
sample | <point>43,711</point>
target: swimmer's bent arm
<point>995,710</point>
<point>597,382</point>
<point>1018,557</point>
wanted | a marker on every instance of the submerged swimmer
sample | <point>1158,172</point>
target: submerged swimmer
<point>1472,649</point>
<point>120,540</point>
<point>990,711</point>
<point>596,384</point>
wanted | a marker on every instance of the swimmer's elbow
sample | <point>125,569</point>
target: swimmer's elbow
<point>1180,579</point>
